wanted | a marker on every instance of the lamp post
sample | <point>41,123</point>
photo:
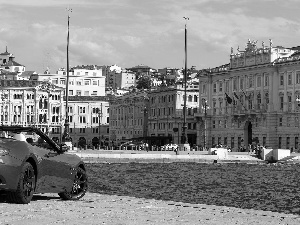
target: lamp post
<point>66,137</point>
<point>205,107</point>
<point>184,140</point>
<point>99,112</point>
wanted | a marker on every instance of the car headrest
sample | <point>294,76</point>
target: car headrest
<point>19,137</point>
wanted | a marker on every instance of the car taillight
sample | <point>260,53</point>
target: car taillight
<point>3,152</point>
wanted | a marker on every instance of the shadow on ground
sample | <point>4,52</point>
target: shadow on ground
<point>34,198</point>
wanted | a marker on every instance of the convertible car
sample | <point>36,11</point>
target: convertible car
<point>28,167</point>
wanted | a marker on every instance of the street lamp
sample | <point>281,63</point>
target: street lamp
<point>184,140</point>
<point>66,137</point>
<point>205,106</point>
<point>99,112</point>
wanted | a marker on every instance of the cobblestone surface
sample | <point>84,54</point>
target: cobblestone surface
<point>174,193</point>
<point>270,187</point>
<point>111,209</point>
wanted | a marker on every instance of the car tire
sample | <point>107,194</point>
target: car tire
<point>26,186</point>
<point>79,188</point>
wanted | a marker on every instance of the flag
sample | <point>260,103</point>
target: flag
<point>228,99</point>
<point>246,96</point>
<point>235,95</point>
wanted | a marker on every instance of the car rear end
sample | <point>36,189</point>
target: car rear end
<point>10,167</point>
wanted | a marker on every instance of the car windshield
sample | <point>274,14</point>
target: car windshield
<point>32,135</point>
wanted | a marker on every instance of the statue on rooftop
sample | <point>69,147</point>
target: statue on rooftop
<point>271,43</point>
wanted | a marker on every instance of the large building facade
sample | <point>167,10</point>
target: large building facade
<point>128,117</point>
<point>253,99</point>
<point>32,103</point>
<point>165,116</point>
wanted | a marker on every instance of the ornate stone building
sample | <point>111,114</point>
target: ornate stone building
<point>254,98</point>
<point>32,103</point>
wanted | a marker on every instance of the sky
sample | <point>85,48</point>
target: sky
<point>142,32</point>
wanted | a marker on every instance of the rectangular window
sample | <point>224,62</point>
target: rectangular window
<point>279,142</point>
<point>214,124</point>
<point>288,142</point>
<point>62,81</point>
<point>81,109</point>
<point>71,92</point>
<point>95,82</point>
<point>227,86</point>
<point>82,119</point>
<point>94,93</point>
<point>296,121</point>
<point>214,87</point>
<point>298,77</point>
<point>86,82</point>
<point>280,121</point>
<point>241,84</point>
<point>288,121</point>
<point>86,93</point>
<point>281,102</point>
<point>281,82</point>
<point>232,142</point>
<point>266,80</point>
<point>78,93</point>
<point>250,82</point>
<point>234,84</point>
<point>296,142</point>
<point>225,140</point>
<point>220,87</point>
<point>290,80</point>
<point>203,88</point>
<point>259,81</point>
<point>264,141</point>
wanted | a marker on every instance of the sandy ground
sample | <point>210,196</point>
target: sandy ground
<point>117,210</point>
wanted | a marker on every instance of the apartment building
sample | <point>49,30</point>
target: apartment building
<point>128,117</point>
<point>165,116</point>
<point>83,80</point>
<point>118,78</point>
<point>89,121</point>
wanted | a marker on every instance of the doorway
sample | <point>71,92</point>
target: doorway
<point>248,133</point>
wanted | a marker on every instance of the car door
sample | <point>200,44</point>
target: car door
<point>54,173</point>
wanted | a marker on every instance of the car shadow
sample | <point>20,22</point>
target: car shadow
<point>37,197</point>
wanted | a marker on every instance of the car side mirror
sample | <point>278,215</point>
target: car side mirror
<point>64,148</point>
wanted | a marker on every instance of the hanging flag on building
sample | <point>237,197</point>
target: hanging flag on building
<point>235,95</point>
<point>228,99</point>
<point>246,96</point>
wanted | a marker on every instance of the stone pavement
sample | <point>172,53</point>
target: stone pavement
<point>110,209</point>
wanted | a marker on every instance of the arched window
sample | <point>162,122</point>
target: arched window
<point>258,99</point>
<point>190,98</point>
<point>267,98</point>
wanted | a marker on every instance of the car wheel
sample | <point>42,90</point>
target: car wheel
<point>26,186</point>
<point>79,188</point>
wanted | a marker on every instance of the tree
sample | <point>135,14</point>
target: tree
<point>144,82</point>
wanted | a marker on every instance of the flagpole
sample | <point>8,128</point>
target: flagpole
<point>184,128</point>
<point>66,137</point>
